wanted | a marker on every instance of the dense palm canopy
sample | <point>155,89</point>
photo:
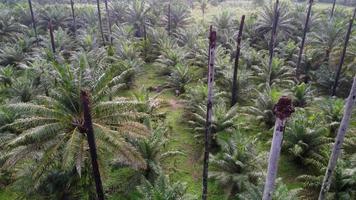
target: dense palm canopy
<point>148,95</point>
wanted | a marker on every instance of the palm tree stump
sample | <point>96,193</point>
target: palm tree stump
<point>338,141</point>
<point>283,109</point>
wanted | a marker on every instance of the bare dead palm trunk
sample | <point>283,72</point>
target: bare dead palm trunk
<point>50,28</point>
<point>33,20</point>
<point>236,66</point>
<point>332,10</point>
<point>339,140</point>
<point>212,46</point>
<point>347,38</point>
<point>92,146</point>
<point>303,39</point>
<point>273,40</point>
<point>283,109</point>
<point>169,19</point>
<point>109,20</point>
<point>100,22</point>
<point>73,16</point>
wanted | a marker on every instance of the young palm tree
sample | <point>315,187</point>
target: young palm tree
<point>305,140</point>
<point>58,15</point>
<point>154,152</point>
<point>137,16</point>
<point>332,110</point>
<point>302,94</point>
<point>279,75</point>
<point>53,125</point>
<point>179,79</point>
<point>326,37</point>
<point>235,165</point>
<point>163,189</point>
<point>223,119</point>
<point>262,110</point>
<point>8,26</point>
<point>254,192</point>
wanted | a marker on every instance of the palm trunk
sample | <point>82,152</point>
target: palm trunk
<point>109,21</point>
<point>339,140</point>
<point>33,21</point>
<point>212,46</point>
<point>50,28</point>
<point>303,39</point>
<point>100,22</point>
<point>283,109</point>
<point>237,57</point>
<point>347,38</point>
<point>73,16</point>
<point>273,41</point>
<point>92,146</point>
<point>169,19</point>
<point>332,10</point>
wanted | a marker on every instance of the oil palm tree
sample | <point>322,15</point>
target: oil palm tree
<point>324,40</point>
<point>235,165</point>
<point>179,79</point>
<point>58,15</point>
<point>262,110</point>
<point>179,17</point>
<point>163,189</point>
<point>51,127</point>
<point>285,27</point>
<point>332,110</point>
<point>8,26</point>
<point>222,120</point>
<point>137,16</point>
<point>302,94</point>
<point>280,74</point>
<point>305,140</point>
<point>154,151</point>
<point>254,192</point>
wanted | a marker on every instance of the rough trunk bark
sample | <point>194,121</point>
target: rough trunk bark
<point>73,16</point>
<point>50,28</point>
<point>236,66</point>
<point>347,38</point>
<point>100,22</point>
<point>33,21</point>
<point>109,21</point>
<point>351,100</point>
<point>92,146</point>
<point>212,46</point>
<point>303,39</point>
<point>283,109</point>
<point>273,40</point>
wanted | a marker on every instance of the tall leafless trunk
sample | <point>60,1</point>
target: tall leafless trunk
<point>283,109</point>
<point>347,38</point>
<point>73,16</point>
<point>273,40</point>
<point>88,126</point>
<point>339,140</point>
<point>50,28</point>
<point>306,26</point>
<point>236,66</point>
<point>169,18</point>
<point>212,46</point>
<point>100,22</point>
<point>109,20</point>
<point>332,10</point>
<point>33,21</point>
